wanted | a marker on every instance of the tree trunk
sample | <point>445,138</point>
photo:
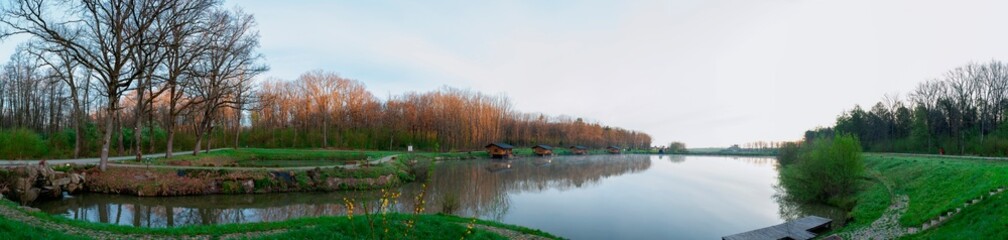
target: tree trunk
<point>77,119</point>
<point>199,142</point>
<point>171,141</point>
<point>138,124</point>
<point>121,148</point>
<point>107,139</point>
<point>208,140</point>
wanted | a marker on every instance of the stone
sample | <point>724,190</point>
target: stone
<point>62,181</point>
<point>249,186</point>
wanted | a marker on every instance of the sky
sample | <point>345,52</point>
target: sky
<point>707,73</point>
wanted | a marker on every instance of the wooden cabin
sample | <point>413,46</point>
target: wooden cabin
<point>500,150</point>
<point>579,150</point>
<point>613,150</point>
<point>543,150</point>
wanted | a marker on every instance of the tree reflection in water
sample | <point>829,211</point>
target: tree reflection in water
<point>482,188</point>
<point>790,209</point>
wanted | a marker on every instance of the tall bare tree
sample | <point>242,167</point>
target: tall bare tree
<point>102,35</point>
<point>227,65</point>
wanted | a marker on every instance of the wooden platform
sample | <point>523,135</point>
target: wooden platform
<point>798,229</point>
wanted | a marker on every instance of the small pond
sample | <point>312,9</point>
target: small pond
<point>577,197</point>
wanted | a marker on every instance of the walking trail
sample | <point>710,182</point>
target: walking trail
<point>113,160</point>
<point>92,160</point>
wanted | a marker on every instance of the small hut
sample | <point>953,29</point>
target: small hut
<point>500,150</point>
<point>579,150</point>
<point>543,150</point>
<point>613,150</point>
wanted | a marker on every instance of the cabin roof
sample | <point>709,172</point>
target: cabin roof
<point>579,147</point>
<point>547,147</point>
<point>500,145</point>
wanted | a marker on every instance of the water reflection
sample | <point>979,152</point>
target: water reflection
<point>481,188</point>
<point>577,197</point>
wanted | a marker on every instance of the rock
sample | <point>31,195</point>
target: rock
<point>29,195</point>
<point>61,181</point>
<point>315,175</point>
<point>249,186</point>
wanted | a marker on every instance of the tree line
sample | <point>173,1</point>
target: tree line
<point>961,112</point>
<point>322,109</point>
<point>98,76</point>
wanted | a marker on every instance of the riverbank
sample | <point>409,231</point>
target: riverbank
<point>18,222</point>
<point>926,197</point>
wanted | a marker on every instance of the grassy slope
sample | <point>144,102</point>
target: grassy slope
<point>934,186</point>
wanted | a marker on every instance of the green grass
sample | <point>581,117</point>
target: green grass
<point>986,220</point>
<point>938,185</point>
<point>11,229</point>
<point>333,227</point>
<point>934,186</point>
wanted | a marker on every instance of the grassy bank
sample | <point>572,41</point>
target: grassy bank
<point>177,182</point>
<point>936,186</point>
<point>375,226</point>
<point>260,157</point>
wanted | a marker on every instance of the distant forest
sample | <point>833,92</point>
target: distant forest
<point>962,112</point>
<point>101,78</point>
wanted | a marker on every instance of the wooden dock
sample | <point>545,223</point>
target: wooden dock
<point>798,229</point>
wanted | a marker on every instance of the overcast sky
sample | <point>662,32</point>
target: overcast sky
<point>708,73</point>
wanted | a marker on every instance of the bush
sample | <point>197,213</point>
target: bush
<point>788,153</point>
<point>21,144</point>
<point>827,172</point>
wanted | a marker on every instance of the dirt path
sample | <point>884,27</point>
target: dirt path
<point>507,233</point>
<point>91,160</point>
<point>887,226</point>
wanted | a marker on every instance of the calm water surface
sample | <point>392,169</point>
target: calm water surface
<point>577,197</point>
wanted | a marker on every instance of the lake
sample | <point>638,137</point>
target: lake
<point>577,197</point>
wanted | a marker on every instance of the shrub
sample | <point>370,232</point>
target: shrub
<point>21,144</point>
<point>788,153</point>
<point>827,172</point>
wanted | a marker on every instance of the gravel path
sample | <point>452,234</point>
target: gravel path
<point>91,160</point>
<point>887,226</point>
<point>509,234</point>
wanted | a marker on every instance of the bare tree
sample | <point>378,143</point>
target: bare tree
<point>101,35</point>
<point>68,70</point>
<point>227,65</point>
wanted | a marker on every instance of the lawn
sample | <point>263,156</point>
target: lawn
<point>936,185</point>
